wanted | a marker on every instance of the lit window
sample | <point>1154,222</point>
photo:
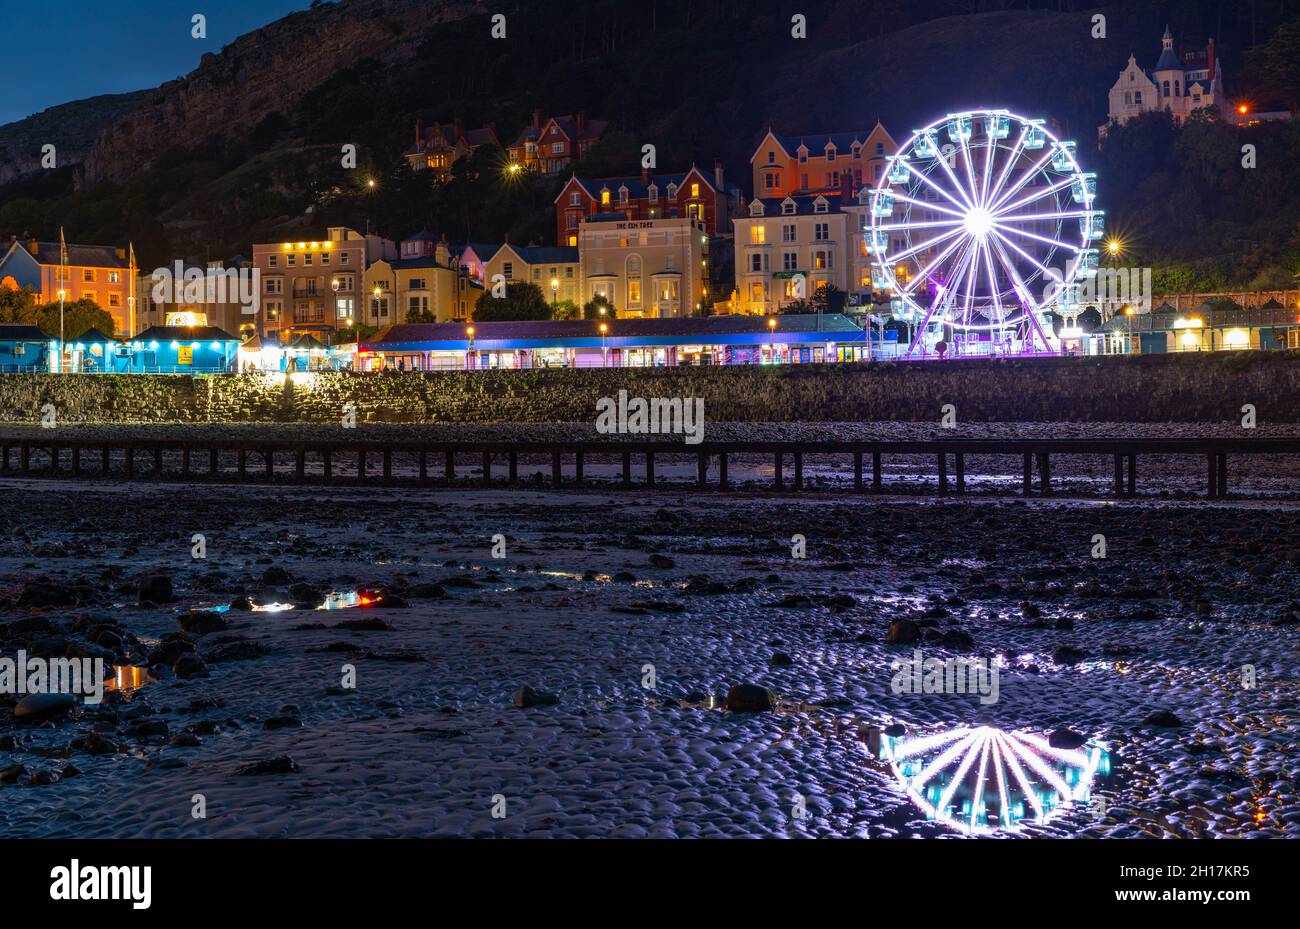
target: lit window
<point>758,235</point>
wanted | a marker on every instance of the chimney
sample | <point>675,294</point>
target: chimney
<point>1209,56</point>
<point>846,187</point>
<point>443,253</point>
<point>537,120</point>
<point>121,254</point>
<point>33,246</point>
<point>717,176</point>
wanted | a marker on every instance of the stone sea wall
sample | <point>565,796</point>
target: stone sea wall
<point>1153,388</point>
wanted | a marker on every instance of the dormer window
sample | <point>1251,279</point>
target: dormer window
<point>622,195</point>
<point>857,151</point>
<point>787,208</point>
<point>819,206</point>
<point>803,155</point>
<point>653,193</point>
<point>672,191</point>
<point>604,197</point>
<point>830,152</point>
<point>756,208</point>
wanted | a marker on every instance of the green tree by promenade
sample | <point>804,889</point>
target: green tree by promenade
<point>523,301</point>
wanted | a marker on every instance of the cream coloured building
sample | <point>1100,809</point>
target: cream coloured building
<point>651,268</point>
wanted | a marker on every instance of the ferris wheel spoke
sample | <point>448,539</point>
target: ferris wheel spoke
<point>925,178</point>
<point>995,291</point>
<point>1051,273</point>
<point>952,179</point>
<point>930,243</point>
<point>1018,285</point>
<point>929,206</point>
<point>968,160</point>
<point>907,227</point>
<point>1030,173</point>
<point>992,150</point>
<point>1042,217</point>
<point>1006,169</point>
<point>1000,228</point>
<point>925,272</point>
<point>1037,195</point>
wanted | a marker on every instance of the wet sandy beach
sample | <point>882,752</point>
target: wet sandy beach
<point>1141,652</point>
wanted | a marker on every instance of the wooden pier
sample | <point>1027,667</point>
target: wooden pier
<point>245,460</point>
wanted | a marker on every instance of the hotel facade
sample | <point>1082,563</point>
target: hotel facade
<point>315,286</point>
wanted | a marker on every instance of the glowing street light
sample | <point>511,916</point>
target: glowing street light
<point>771,339</point>
<point>604,328</point>
<point>555,291</point>
<point>469,355</point>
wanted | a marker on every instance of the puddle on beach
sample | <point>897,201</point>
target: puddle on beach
<point>980,779</point>
<point>127,679</point>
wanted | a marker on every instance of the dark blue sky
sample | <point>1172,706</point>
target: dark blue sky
<point>61,50</point>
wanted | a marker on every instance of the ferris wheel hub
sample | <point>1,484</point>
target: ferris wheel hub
<point>979,222</point>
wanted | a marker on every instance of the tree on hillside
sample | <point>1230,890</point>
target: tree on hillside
<point>1273,68</point>
<point>523,301</point>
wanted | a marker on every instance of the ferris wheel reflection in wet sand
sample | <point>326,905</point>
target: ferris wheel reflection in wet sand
<point>981,779</point>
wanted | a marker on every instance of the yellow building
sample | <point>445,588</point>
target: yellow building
<point>428,288</point>
<point>556,270</point>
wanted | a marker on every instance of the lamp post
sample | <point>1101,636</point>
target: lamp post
<point>604,328</point>
<point>1128,312</point>
<point>469,355</point>
<point>62,296</point>
<point>771,339</point>
<point>555,293</point>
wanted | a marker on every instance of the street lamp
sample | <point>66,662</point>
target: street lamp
<point>771,339</point>
<point>555,291</point>
<point>604,328</point>
<point>469,355</point>
<point>1128,312</point>
<point>62,296</point>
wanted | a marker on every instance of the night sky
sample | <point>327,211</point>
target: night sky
<point>71,49</point>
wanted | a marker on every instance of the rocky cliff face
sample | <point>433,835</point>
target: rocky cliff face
<point>263,72</point>
<point>71,128</point>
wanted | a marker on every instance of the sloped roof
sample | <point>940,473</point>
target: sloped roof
<point>816,141</point>
<point>539,255</point>
<point>637,188</point>
<point>804,205</point>
<point>484,250</point>
<point>94,335</point>
<point>593,129</point>
<point>185,334</point>
<point>17,332</point>
<point>307,343</point>
<point>81,256</point>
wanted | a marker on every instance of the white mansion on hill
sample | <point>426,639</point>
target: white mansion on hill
<point>1179,85</point>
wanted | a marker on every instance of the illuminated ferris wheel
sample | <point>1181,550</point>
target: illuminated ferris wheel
<point>983,225</point>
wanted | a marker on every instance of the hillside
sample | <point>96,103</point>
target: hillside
<point>253,135</point>
<point>70,127</point>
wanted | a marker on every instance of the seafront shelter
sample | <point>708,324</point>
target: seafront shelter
<point>710,340</point>
<point>182,350</point>
<point>27,349</point>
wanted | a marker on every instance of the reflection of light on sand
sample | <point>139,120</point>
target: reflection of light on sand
<point>981,779</point>
<point>127,679</point>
